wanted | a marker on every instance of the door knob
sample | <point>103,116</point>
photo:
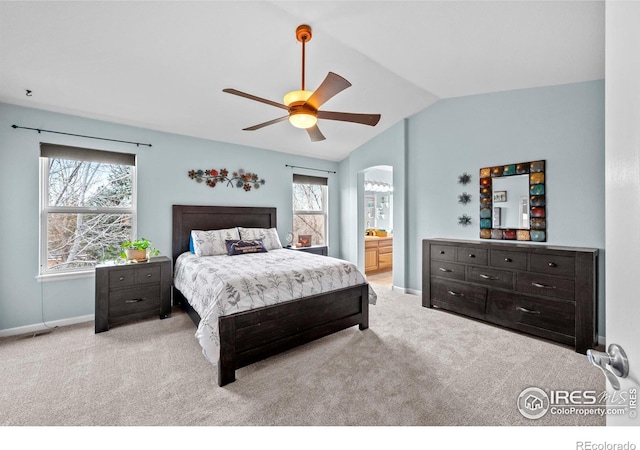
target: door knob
<point>613,363</point>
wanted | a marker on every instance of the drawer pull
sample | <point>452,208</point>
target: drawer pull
<point>442,269</point>
<point>456,294</point>
<point>121,278</point>
<point>528,311</point>
<point>544,286</point>
<point>508,260</point>
<point>488,277</point>
<point>135,300</point>
<point>149,275</point>
<point>472,255</point>
<point>441,252</point>
<point>552,264</point>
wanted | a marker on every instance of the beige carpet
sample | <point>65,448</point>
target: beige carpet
<point>413,366</point>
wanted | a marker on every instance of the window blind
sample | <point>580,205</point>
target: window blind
<point>86,154</point>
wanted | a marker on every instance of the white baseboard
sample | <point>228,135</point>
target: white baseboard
<point>406,290</point>
<point>35,328</point>
<point>602,340</point>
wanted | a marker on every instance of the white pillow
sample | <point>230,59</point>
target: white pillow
<point>269,236</point>
<point>212,242</point>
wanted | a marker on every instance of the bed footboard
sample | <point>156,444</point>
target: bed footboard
<point>250,336</point>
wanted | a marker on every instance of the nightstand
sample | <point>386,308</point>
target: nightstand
<point>315,249</point>
<point>126,292</point>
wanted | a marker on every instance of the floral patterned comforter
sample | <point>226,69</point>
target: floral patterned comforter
<point>221,285</point>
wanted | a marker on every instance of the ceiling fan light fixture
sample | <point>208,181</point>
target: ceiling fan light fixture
<point>296,97</point>
<point>302,119</point>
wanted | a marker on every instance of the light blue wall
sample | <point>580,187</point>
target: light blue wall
<point>386,149</point>
<point>563,125</point>
<point>162,182</point>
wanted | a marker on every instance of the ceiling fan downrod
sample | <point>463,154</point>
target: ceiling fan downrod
<point>303,34</point>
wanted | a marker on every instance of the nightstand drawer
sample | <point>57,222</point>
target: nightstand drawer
<point>134,300</point>
<point>134,275</point>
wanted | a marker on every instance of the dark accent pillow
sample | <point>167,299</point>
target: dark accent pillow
<point>242,247</point>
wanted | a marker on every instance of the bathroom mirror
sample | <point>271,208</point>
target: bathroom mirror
<point>513,202</point>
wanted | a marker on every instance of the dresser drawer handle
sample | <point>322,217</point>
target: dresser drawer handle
<point>121,278</point>
<point>508,260</point>
<point>135,300</point>
<point>149,275</point>
<point>442,269</point>
<point>472,255</point>
<point>488,277</point>
<point>528,311</point>
<point>552,264</point>
<point>455,294</point>
<point>441,252</point>
<point>544,286</point>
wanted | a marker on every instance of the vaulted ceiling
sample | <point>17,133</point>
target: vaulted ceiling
<point>163,65</point>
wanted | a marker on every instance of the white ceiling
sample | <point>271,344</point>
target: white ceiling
<point>163,65</point>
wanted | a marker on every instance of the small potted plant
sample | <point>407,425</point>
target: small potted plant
<point>138,250</point>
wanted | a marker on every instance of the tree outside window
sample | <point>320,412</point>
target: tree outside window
<point>310,208</point>
<point>88,206</point>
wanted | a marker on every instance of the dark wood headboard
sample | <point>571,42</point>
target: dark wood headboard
<point>187,218</point>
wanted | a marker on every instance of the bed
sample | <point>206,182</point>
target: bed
<point>246,337</point>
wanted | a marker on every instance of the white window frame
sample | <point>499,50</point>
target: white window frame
<point>44,274</point>
<point>325,203</point>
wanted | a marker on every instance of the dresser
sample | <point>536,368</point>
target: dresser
<point>126,292</point>
<point>378,254</point>
<point>545,291</point>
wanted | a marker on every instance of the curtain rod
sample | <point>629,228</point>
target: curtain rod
<point>138,144</point>
<point>310,168</point>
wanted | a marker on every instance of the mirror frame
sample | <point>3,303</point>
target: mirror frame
<point>537,202</point>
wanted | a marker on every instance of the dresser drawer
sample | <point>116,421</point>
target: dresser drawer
<point>134,300</point>
<point>443,252</point>
<point>459,297</point>
<point>491,277</point>
<point>476,256</point>
<point>508,260</point>
<point>447,270</point>
<point>553,264</point>
<point>545,285</point>
<point>552,315</point>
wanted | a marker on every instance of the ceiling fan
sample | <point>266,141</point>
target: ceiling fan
<point>303,106</point>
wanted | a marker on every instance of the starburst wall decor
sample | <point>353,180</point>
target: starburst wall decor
<point>239,179</point>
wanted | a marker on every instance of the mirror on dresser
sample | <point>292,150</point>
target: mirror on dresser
<point>513,202</point>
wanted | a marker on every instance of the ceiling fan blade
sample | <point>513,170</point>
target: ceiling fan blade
<point>331,85</point>
<point>315,134</point>
<point>262,125</point>
<point>364,119</point>
<point>253,97</point>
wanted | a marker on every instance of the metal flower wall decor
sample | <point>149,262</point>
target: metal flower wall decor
<point>464,178</point>
<point>239,179</point>
<point>464,220</point>
<point>464,198</point>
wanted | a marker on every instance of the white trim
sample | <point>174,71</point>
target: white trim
<point>602,340</point>
<point>406,290</point>
<point>64,276</point>
<point>49,325</point>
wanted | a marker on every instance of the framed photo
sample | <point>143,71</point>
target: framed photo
<point>304,240</point>
<point>499,196</point>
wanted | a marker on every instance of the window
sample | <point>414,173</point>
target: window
<point>87,205</point>
<point>310,208</point>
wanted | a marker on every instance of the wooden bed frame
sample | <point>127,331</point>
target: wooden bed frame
<point>250,336</point>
